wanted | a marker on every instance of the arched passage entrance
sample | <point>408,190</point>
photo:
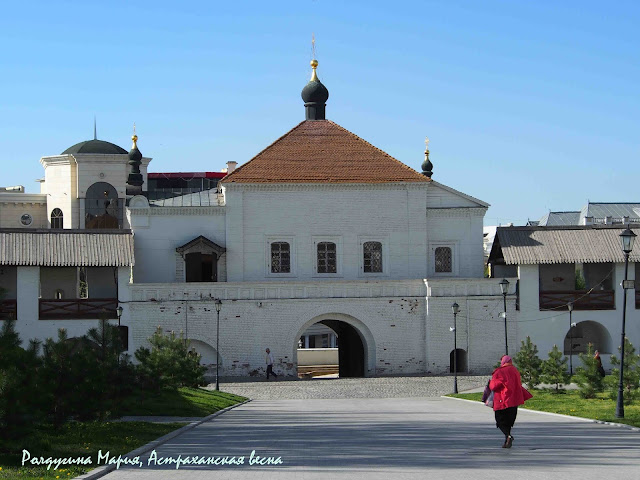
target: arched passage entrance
<point>206,351</point>
<point>461,360</point>
<point>585,333</point>
<point>356,349</point>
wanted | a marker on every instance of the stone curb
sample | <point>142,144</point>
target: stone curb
<point>99,472</point>
<point>583,419</point>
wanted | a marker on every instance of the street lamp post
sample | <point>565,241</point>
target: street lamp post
<point>627,237</point>
<point>218,307</point>
<point>504,288</point>
<point>570,307</point>
<point>119,313</point>
<point>455,308</point>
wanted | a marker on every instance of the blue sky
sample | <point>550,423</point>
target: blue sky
<point>530,106</point>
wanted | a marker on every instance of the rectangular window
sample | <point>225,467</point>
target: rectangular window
<point>327,257</point>
<point>280,257</point>
<point>372,257</point>
<point>443,260</point>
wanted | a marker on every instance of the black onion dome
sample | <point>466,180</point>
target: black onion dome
<point>315,92</point>
<point>134,154</point>
<point>315,96</point>
<point>96,147</point>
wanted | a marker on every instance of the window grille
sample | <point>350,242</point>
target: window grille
<point>443,260</point>
<point>327,257</point>
<point>372,257</point>
<point>280,257</point>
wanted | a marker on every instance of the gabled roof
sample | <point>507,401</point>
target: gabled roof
<point>552,219</point>
<point>66,248</point>
<point>201,243</point>
<point>321,151</point>
<point>600,211</point>
<point>548,245</point>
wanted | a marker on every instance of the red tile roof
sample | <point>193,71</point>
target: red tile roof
<point>321,151</point>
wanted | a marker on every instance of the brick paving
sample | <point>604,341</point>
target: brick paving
<point>378,387</point>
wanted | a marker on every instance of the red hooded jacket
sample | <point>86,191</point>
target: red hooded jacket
<point>507,388</point>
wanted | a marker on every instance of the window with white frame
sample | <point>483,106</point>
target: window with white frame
<point>372,257</point>
<point>327,254</point>
<point>443,260</point>
<point>280,257</point>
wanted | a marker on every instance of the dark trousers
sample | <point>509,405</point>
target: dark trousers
<point>505,419</point>
<point>270,371</point>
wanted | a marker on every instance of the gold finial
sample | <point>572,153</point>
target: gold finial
<point>426,142</point>
<point>134,137</point>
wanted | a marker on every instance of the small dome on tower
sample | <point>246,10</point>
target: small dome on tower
<point>315,95</point>
<point>95,146</point>
<point>134,154</point>
<point>315,91</point>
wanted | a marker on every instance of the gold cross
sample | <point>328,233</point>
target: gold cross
<point>313,46</point>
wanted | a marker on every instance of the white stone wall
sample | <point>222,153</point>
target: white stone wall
<point>460,229</point>
<point>161,230</point>
<point>480,329</point>
<point>12,210</point>
<point>60,175</point>
<point>404,330</point>
<point>317,356</point>
<point>394,215</point>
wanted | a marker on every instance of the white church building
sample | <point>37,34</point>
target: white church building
<point>320,227</point>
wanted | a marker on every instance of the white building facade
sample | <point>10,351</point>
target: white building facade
<point>320,227</point>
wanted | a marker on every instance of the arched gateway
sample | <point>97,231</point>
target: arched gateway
<point>356,347</point>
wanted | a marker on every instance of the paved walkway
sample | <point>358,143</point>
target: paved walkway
<point>376,387</point>
<point>426,438</point>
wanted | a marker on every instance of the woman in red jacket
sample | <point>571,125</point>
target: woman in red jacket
<point>508,393</point>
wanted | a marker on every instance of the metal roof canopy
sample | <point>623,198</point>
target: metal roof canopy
<point>66,248</point>
<point>560,244</point>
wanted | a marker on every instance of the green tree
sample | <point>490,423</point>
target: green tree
<point>112,376</point>
<point>587,376</point>
<point>631,376</point>
<point>554,369</point>
<point>169,363</point>
<point>528,363</point>
<point>19,407</point>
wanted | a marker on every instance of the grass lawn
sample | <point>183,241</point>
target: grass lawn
<point>186,402</point>
<point>570,403</point>
<point>83,439</point>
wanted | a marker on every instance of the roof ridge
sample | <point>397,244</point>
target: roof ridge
<point>225,179</point>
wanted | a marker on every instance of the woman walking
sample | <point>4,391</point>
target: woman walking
<point>508,394</point>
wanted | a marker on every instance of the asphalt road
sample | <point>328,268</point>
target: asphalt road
<point>394,438</point>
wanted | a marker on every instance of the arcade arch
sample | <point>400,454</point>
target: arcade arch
<point>356,346</point>
<point>585,333</point>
